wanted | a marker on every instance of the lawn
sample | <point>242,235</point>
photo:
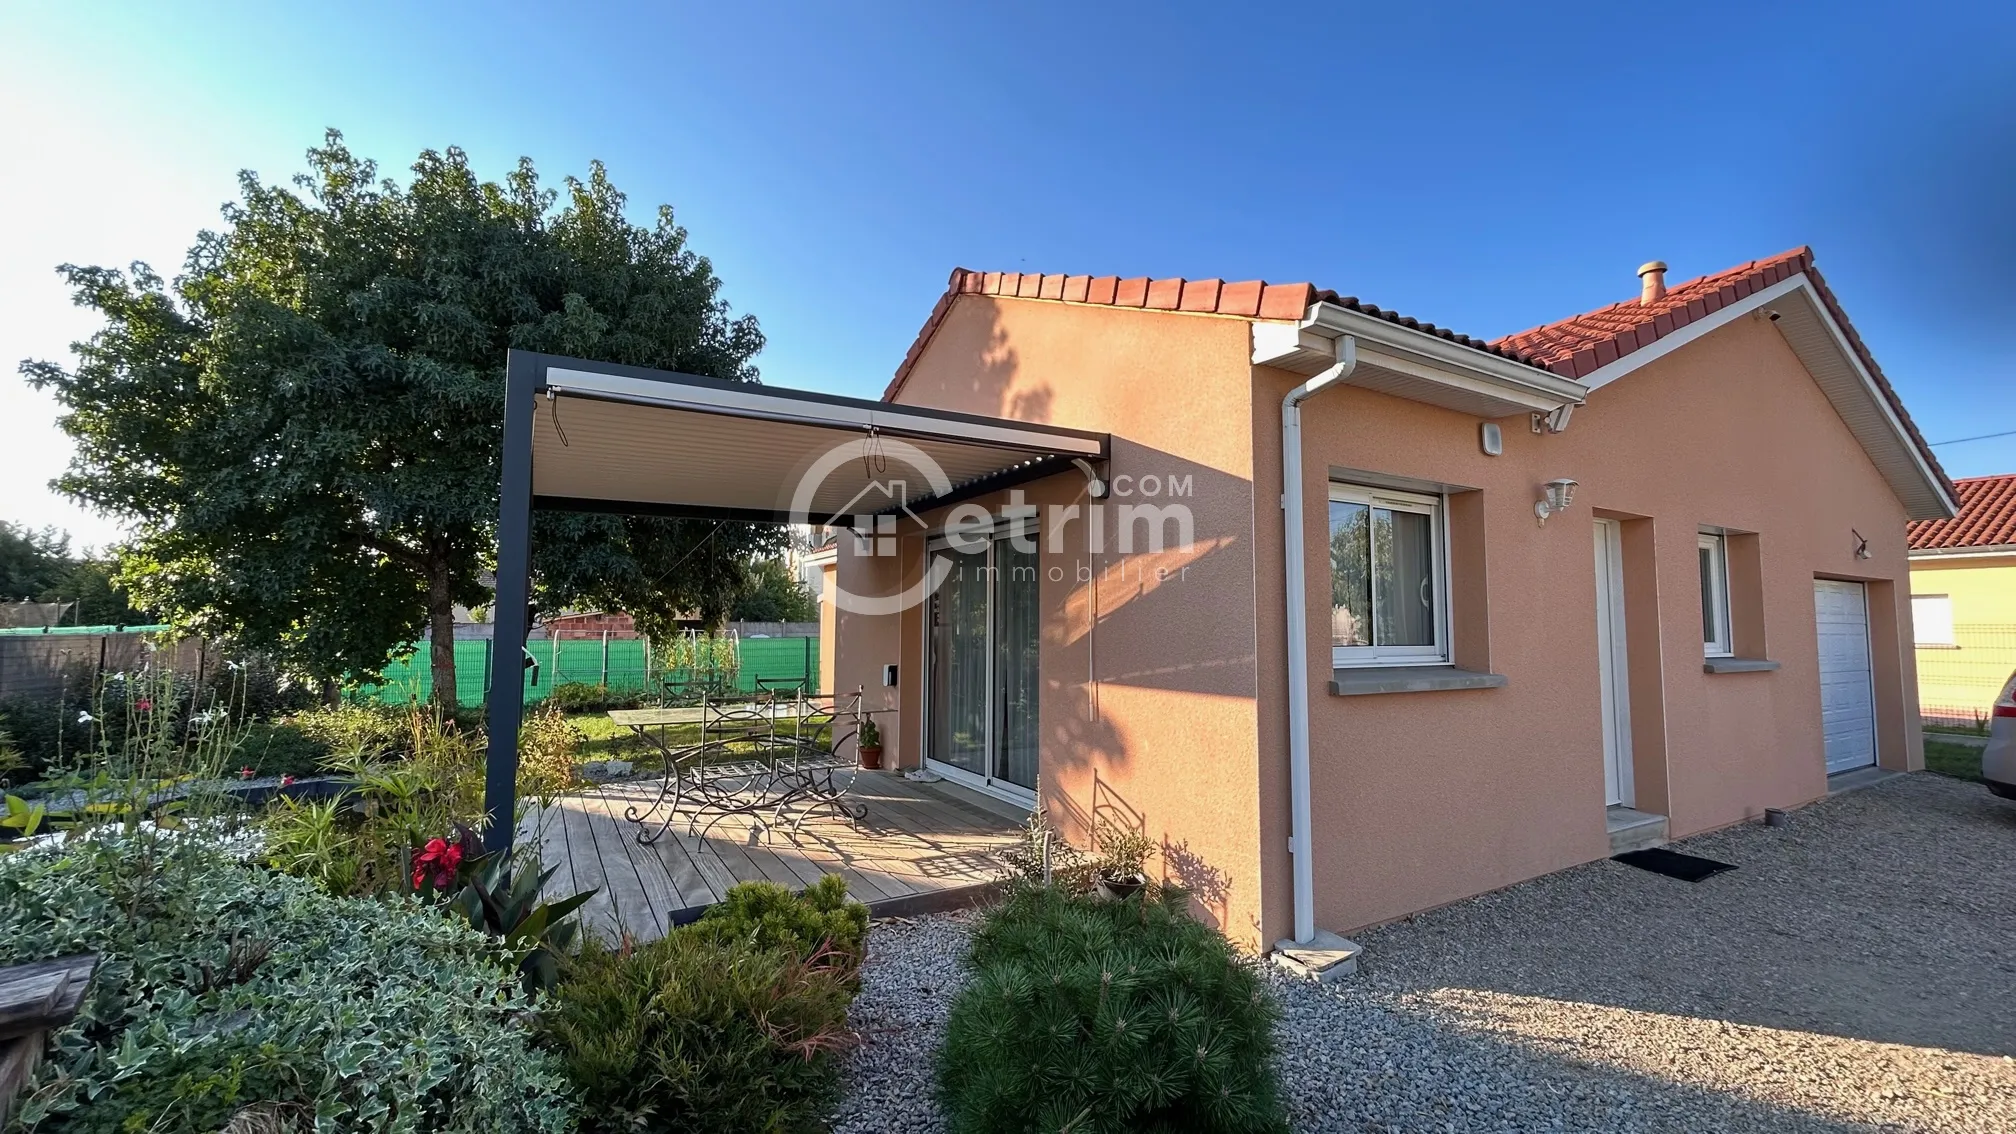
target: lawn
<point>1961,761</point>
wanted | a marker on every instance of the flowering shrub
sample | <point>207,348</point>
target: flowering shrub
<point>436,864</point>
<point>230,995</point>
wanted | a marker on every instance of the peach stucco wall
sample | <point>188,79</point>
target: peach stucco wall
<point>1147,710</point>
<point>1163,700</point>
<point>1424,798</point>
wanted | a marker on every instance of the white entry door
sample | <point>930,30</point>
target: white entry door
<point>1611,665</point>
<point>1847,692</point>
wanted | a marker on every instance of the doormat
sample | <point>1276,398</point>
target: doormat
<point>1672,864</point>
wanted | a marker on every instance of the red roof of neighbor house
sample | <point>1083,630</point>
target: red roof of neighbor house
<point>1578,345</point>
<point>1987,517</point>
<point>1573,348</point>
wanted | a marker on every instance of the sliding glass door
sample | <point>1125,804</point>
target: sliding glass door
<point>982,686</point>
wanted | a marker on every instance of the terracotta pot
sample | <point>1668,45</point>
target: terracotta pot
<point>871,757</point>
<point>1121,888</point>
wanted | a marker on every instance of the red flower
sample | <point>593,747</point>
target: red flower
<point>144,705</point>
<point>247,772</point>
<point>437,863</point>
<point>286,780</point>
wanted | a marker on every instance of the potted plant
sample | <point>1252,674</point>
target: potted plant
<point>1123,853</point>
<point>870,745</point>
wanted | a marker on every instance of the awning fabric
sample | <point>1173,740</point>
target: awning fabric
<point>622,439</point>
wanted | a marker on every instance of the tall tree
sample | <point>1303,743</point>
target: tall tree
<point>773,594</point>
<point>32,561</point>
<point>304,427</point>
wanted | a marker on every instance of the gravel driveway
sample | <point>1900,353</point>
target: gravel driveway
<point>1858,972</point>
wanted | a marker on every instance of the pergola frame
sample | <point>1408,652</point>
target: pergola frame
<point>768,429</point>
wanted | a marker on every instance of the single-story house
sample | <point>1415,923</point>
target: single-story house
<point>1358,616</point>
<point>1963,601</point>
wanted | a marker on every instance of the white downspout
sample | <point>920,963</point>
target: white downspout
<point>1293,553</point>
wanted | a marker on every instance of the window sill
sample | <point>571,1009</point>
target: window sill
<point>1737,665</point>
<point>1409,679</point>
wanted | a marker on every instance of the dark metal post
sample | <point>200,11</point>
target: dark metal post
<point>514,585</point>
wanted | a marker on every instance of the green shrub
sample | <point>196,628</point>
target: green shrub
<point>549,747</point>
<point>364,841</point>
<point>358,726</point>
<point>1106,1017</point>
<point>699,1033</point>
<point>578,697</point>
<point>281,750</point>
<point>228,994</point>
<point>12,764</point>
<point>764,915</point>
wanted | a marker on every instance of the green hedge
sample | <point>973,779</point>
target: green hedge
<point>1103,1017</point>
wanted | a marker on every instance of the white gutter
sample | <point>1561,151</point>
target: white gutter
<point>1300,844</point>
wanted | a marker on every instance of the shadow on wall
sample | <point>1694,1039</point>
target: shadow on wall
<point>1158,617</point>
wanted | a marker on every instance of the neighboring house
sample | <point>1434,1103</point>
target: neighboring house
<point>1718,619</point>
<point>589,623</point>
<point>1963,601</point>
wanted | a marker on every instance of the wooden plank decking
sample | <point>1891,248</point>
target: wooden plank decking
<point>916,841</point>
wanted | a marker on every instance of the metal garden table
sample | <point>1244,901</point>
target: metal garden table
<point>772,757</point>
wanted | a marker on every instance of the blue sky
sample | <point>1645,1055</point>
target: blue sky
<point>1487,169</point>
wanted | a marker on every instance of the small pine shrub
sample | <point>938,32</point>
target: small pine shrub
<point>700,1034</point>
<point>764,915</point>
<point>1103,1017</point>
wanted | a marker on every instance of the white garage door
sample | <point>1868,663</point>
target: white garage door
<point>1847,700</point>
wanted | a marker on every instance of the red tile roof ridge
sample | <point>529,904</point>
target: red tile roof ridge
<point>1573,348</point>
<point>1576,346</point>
<point>1248,299</point>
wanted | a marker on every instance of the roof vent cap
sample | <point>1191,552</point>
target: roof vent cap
<point>1653,277</point>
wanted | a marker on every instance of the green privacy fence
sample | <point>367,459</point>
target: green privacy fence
<point>618,663</point>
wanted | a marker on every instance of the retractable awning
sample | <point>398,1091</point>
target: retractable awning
<point>610,438</point>
<point>594,436</point>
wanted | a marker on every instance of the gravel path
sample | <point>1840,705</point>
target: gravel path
<point>1858,972</point>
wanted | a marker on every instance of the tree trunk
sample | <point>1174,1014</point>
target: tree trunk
<point>441,629</point>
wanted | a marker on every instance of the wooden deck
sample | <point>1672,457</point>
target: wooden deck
<point>918,842</point>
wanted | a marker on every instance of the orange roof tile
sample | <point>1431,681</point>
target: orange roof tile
<point>1251,299</point>
<point>1572,348</point>
<point>1576,346</point>
<point>1987,517</point>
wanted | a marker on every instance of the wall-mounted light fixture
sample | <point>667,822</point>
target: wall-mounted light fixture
<point>1861,544</point>
<point>1556,496</point>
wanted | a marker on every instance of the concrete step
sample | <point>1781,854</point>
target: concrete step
<point>1631,829</point>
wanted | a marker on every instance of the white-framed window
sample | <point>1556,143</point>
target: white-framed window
<point>1389,593</point>
<point>1714,554</point>
<point>1932,620</point>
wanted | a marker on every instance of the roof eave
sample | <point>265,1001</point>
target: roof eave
<point>1413,364</point>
